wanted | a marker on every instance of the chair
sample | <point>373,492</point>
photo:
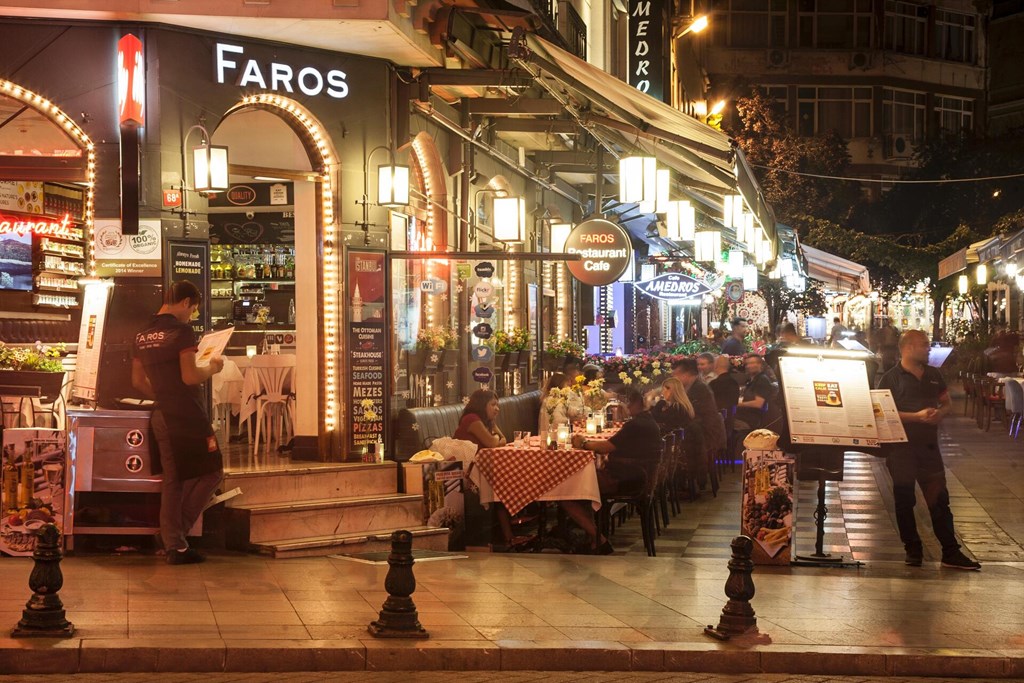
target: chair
<point>642,500</point>
<point>275,398</point>
<point>15,396</point>
<point>1014,406</point>
<point>970,390</point>
<point>991,403</point>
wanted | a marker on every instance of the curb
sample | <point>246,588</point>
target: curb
<point>48,656</point>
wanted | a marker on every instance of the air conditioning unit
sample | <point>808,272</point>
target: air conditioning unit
<point>860,60</point>
<point>776,58</point>
<point>900,147</point>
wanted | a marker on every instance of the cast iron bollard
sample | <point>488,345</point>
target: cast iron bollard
<point>398,617</point>
<point>44,615</point>
<point>737,615</point>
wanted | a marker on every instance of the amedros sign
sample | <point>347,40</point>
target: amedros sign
<point>605,248</point>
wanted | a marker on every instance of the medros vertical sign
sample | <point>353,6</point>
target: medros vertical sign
<point>646,47</point>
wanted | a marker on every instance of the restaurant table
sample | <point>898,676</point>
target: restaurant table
<point>251,389</point>
<point>519,476</point>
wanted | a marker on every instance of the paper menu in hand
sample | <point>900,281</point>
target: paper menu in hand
<point>828,401</point>
<point>887,417</point>
<point>212,344</point>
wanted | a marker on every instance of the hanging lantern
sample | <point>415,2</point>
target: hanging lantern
<point>393,185</point>
<point>707,245</point>
<point>750,232</point>
<point>736,263</point>
<point>981,274</point>
<point>1011,269</point>
<point>964,284</point>
<point>637,179</point>
<point>662,184</point>
<point>732,211</point>
<point>681,220</point>
<point>210,168</point>
<point>750,277</point>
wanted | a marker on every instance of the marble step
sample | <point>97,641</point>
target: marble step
<point>423,538</point>
<point>314,482</point>
<point>249,524</point>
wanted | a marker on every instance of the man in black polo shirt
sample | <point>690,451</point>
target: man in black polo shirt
<point>923,401</point>
<point>633,451</point>
<point>164,368</point>
<point>756,397</point>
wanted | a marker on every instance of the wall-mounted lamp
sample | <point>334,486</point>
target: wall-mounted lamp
<point>559,234</point>
<point>210,167</point>
<point>393,185</point>
<point>638,179</point>
<point>510,219</point>
<point>696,26</point>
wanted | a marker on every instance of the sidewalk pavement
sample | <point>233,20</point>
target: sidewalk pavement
<point>557,612</point>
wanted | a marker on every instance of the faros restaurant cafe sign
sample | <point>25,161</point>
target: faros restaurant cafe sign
<point>605,250</point>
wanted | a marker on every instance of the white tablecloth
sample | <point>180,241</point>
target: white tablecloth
<point>227,386</point>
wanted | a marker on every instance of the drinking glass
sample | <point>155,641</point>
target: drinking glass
<point>520,439</point>
<point>53,472</point>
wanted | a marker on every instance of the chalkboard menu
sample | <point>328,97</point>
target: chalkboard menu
<point>190,260</point>
<point>261,228</point>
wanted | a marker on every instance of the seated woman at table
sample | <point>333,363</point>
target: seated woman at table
<point>675,411</point>
<point>633,451</point>
<point>564,412</point>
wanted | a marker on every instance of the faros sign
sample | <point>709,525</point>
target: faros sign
<point>674,287</point>
<point>605,249</point>
<point>230,62</point>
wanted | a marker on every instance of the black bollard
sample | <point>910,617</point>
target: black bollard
<point>43,616</point>
<point>737,615</point>
<point>398,617</point>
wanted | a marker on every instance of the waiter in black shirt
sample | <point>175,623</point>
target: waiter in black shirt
<point>164,369</point>
<point>922,401</point>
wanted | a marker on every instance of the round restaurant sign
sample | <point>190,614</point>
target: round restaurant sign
<point>605,248</point>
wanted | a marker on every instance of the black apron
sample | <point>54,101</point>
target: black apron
<point>193,444</point>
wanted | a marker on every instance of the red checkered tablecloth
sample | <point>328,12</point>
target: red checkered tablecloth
<point>520,476</point>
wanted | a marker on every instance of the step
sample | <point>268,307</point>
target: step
<point>423,538</point>
<point>254,523</point>
<point>338,480</point>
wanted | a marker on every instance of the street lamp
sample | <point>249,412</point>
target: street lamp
<point>559,234</point>
<point>510,219</point>
<point>696,26</point>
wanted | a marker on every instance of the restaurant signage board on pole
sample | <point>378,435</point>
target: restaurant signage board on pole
<point>828,401</point>
<point>605,248</point>
<point>190,260</point>
<point>95,301</point>
<point>645,45</point>
<point>121,255</point>
<point>366,383</point>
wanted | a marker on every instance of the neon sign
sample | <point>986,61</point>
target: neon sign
<point>45,227</point>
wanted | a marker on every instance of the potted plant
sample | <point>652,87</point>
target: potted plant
<point>514,344</point>
<point>432,343</point>
<point>558,351</point>
<point>28,367</point>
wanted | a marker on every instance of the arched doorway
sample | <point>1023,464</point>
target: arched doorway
<point>276,137</point>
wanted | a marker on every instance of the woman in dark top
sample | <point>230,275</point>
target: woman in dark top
<point>478,421</point>
<point>674,412</point>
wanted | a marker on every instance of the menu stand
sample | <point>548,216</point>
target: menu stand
<point>821,464</point>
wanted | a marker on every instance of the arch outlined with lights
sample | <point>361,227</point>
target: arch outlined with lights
<point>55,115</point>
<point>325,162</point>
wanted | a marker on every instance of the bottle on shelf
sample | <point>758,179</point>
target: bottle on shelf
<point>291,312</point>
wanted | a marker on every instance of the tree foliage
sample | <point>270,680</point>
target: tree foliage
<point>781,300</point>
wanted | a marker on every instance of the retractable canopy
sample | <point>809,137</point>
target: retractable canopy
<point>841,275</point>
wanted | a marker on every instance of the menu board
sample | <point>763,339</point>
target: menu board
<point>367,345</point>
<point>90,339</point>
<point>262,227</point>
<point>190,260</point>
<point>828,401</point>
<point>887,417</point>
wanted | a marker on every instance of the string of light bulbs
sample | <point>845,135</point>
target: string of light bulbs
<point>939,181</point>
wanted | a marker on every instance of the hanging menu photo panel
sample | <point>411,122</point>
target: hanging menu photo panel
<point>828,401</point>
<point>366,293</point>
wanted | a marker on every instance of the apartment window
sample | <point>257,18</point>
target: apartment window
<point>834,23</point>
<point>955,114</point>
<point>903,111</point>
<point>778,97</point>
<point>906,25</point>
<point>954,36</point>
<point>749,23</point>
<point>847,111</point>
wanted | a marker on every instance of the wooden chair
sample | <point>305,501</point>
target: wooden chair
<point>970,391</point>
<point>992,403</point>
<point>642,500</point>
<point>273,401</point>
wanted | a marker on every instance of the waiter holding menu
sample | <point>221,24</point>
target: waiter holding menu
<point>923,401</point>
<point>164,368</point>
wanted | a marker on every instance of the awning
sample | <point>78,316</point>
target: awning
<point>837,273</point>
<point>625,119</point>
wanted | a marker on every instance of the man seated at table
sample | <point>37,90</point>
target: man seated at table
<point>755,408</point>
<point>633,452</point>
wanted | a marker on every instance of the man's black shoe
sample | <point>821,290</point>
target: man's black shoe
<point>188,556</point>
<point>957,560</point>
<point>915,558</point>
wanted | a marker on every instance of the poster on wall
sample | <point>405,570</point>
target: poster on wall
<point>95,300</point>
<point>828,401</point>
<point>32,492</point>
<point>22,196</point>
<point>367,344</point>
<point>768,505</point>
<point>119,255</point>
<point>190,260</point>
